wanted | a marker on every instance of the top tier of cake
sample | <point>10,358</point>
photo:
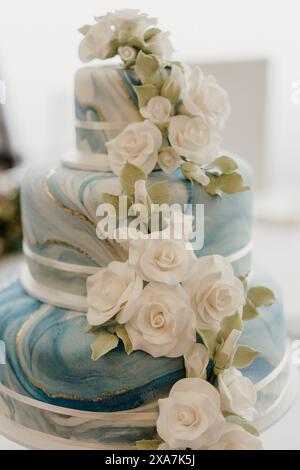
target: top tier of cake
<point>105,103</point>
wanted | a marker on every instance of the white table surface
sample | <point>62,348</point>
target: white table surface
<point>277,248</point>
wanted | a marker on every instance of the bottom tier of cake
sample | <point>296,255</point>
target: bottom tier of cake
<point>50,384</point>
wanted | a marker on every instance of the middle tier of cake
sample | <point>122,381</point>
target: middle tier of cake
<point>59,221</point>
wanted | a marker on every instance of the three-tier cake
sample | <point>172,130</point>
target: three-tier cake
<point>121,335</point>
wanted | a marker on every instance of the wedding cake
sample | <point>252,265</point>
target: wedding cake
<point>139,320</point>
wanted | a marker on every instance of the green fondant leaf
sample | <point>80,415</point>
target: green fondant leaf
<point>148,444</point>
<point>91,329</point>
<point>221,361</point>
<point>225,165</point>
<point>113,48</point>
<point>209,338</point>
<point>147,68</point>
<point>232,183</point>
<point>85,29</point>
<point>230,418</point>
<point>150,33</point>
<point>249,311</point>
<point>136,42</point>
<point>244,356</point>
<point>123,38</point>
<point>228,324</point>
<point>112,200</point>
<point>160,193</point>
<point>145,93</point>
<point>130,174</point>
<point>213,188</point>
<point>123,336</point>
<point>103,343</point>
<point>228,183</point>
<point>261,296</point>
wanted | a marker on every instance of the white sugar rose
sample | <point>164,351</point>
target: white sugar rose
<point>194,173</point>
<point>127,54</point>
<point>168,261</point>
<point>190,418</point>
<point>234,437</point>
<point>214,291</point>
<point>204,97</point>
<point>158,110</point>
<point>138,144</point>
<point>196,361</point>
<point>168,160</point>
<point>110,290</point>
<point>193,138</point>
<point>160,322</point>
<point>238,394</point>
<point>131,21</point>
<point>161,46</point>
<point>96,43</point>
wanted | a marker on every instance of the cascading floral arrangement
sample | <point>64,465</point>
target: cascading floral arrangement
<point>183,110</point>
<point>167,303</point>
<point>163,300</point>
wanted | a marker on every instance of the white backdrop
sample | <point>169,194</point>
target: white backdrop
<point>38,56</point>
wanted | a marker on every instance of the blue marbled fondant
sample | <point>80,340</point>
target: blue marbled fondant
<point>59,220</point>
<point>49,357</point>
<point>103,94</point>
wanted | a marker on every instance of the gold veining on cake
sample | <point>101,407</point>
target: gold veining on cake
<point>73,212</point>
<point>22,331</point>
<point>100,113</point>
<point>79,214</point>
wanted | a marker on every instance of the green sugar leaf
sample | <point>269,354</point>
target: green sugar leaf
<point>130,174</point>
<point>136,42</point>
<point>232,183</point>
<point>123,336</point>
<point>91,329</point>
<point>261,296</point>
<point>234,322</point>
<point>209,338</point>
<point>249,311</point>
<point>147,68</point>
<point>244,356</point>
<point>213,188</point>
<point>150,33</point>
<point>224,164</point>
<point>104,343</point>
<point>113,201</point>
<point>84,29</point>
<point>123,38</point>
<point>145,93</point>
<point>160,193</point>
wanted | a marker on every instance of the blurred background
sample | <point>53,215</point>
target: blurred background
<point>251,46</point>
